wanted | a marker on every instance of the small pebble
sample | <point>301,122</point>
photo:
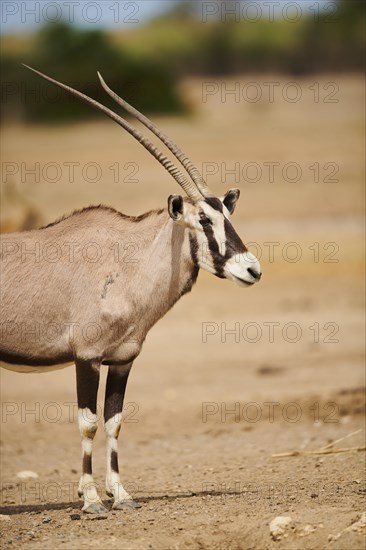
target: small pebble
<point>280,527</point>
<point>27,474</point>
<point>47,519</point>
<point>75,516</point>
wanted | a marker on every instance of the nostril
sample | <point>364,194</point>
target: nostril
<point>254,274</point>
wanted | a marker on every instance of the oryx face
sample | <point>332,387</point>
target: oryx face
<point>220,249</point>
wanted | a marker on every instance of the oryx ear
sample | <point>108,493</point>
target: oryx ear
<point>230,199</point>
<point>175,207</point>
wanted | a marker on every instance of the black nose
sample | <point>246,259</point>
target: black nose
<point>254,274</point>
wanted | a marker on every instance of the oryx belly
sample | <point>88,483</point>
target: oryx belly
<point>37,369</point>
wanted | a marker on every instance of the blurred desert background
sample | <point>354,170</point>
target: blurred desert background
<point>198,437</point>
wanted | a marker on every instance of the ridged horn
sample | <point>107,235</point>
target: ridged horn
<point>188,186</point>
<point>177,152</point>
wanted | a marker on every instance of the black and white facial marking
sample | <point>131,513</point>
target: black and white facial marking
<point>220,249</point>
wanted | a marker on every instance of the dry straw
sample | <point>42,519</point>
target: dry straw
<point>325,450</point>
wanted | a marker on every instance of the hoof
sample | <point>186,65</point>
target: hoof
<point>94,508</point>
<point>127,503</point>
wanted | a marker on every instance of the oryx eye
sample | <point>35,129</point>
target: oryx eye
<point>204,221</point>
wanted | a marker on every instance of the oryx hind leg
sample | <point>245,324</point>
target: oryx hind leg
<point>114,396</point>
<point>87,382</point>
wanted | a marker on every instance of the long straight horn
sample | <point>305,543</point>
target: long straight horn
<point>180,178</point>
<point>177,152</point>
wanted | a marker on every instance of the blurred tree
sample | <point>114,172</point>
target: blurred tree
<point>73,56</point>
<point>183,10</point>
<point>143,65</point>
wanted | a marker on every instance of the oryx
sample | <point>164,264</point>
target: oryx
<point>86,289</point>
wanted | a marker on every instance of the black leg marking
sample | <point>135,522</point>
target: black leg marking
<point>115,391</point>
<point>114,396</point>
<point>114,462</point>
<point>87,382</point>
<point>87,463</point>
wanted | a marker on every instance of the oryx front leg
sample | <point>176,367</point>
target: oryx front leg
<point>114,396</point>
<point>87,381</point>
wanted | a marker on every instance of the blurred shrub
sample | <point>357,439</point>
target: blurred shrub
<point>188,46</point>
<point>73,57</point>
<point>143,65</point>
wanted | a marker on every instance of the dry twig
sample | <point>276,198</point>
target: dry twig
<point>326,450</point>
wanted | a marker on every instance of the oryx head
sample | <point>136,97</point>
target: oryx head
<point>220,249</point>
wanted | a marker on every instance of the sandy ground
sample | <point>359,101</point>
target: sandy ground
<point>206,408</point>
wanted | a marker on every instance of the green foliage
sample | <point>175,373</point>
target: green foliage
<point>73,57</point>
<point>314,43</point>
<point>143,65</point>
